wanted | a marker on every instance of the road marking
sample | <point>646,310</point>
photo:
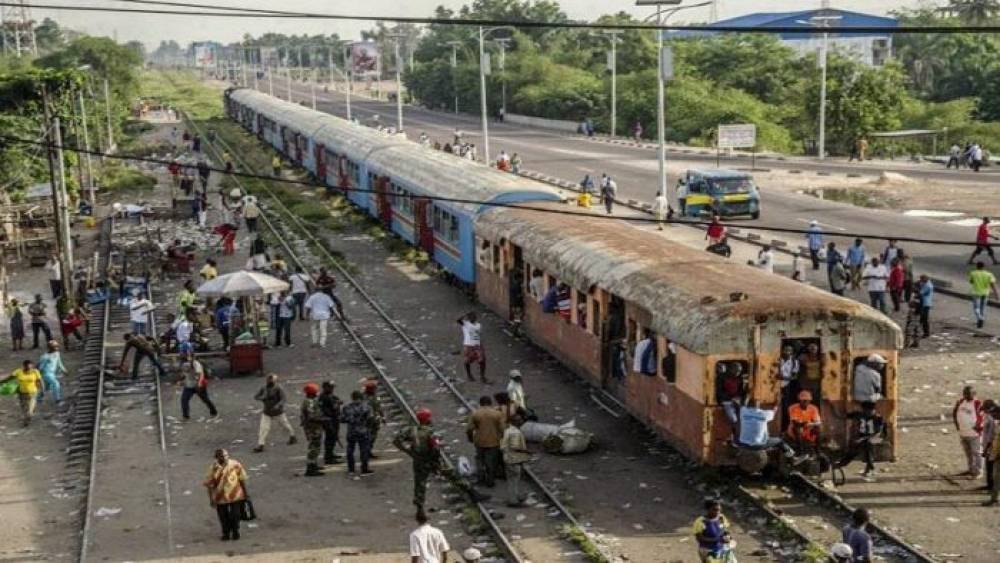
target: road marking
<point>828,225</point>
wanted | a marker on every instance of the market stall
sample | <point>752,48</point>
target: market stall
<point>246,350</point>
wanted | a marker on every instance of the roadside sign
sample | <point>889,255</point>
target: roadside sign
<point>737,136</point>
<point>667,63</point>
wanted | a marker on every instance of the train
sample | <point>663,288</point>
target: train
<point>701,315</point>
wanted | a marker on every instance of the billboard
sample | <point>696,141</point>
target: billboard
<point>737,136</point>
<point>204,55</point>
<point>364,57</point>
<point>268,56</point>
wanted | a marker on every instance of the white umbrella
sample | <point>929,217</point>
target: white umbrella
<point>242,283</point>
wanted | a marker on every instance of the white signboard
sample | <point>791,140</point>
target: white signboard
<point>737,136</point>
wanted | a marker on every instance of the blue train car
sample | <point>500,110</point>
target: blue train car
<point>427,197</point>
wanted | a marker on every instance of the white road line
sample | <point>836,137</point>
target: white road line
<point>820,223</point>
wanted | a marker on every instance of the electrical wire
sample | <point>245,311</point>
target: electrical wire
<point>521,206</point>
<point>223,13</point>
<point>206,6</point>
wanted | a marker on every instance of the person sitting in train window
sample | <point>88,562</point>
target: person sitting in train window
<point>868,379</point>
<point>644,360</point>
<point>550,303</point>
<point>811,369</point>
<point>669,362</point>
<point>729,390</point>
<point>805,421</point>
<point>537,285</point>
<point>565,302</point>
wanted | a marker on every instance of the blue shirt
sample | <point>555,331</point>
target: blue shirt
<point>815,238</point>
<point>50,363</point>
<point>860,542</point>
<point>753,426</point>
<point>856,255</point>
<point>927,294</point>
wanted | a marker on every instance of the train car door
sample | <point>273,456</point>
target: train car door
<point>613,345</point>
<point>298,148</point>
<point>320,152</point>
<point>382,200</point>
<point>343,176</point>
<point>425,231</point>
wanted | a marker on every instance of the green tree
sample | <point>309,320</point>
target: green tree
<point>49,36</point>
<point>974,11</point>
<point>757,64</point>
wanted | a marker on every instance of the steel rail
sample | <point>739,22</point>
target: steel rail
<point>394,391</point>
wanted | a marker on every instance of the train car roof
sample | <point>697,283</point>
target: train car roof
<point>687,291</point>
<point>430,171</point>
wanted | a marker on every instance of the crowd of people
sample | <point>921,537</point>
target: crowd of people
<point>971,156</point>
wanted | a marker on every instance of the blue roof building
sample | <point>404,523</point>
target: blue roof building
<point>870,48</point>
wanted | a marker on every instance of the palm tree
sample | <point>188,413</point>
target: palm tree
<point>974,11</point>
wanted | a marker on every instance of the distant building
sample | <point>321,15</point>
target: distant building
<point>873,49</point>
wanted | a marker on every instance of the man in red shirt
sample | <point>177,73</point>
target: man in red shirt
<point>983,236</point>
<point>716,231</point>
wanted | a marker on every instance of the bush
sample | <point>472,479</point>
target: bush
<point>310,211</point>
<point>122,178</point>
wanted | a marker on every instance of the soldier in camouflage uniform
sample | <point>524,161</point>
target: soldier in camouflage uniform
<point>312,424</point>
<point>330,405</point>
<point>419,443</point>
<point>371,397</point>
<point>357,416</point>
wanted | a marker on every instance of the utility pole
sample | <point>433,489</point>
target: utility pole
<point>482,96</point>
<point>86,146</point>
<point>312,88</point>
<point>502,41</point>
<point>399,85</point>
<point>454,66</point>
<point>349,70</point>
<point>107,108</point>
<point>54,140</point>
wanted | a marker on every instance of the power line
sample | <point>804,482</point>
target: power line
<point>223,13</point>
<point>526,207</point>
<point>206,6</point>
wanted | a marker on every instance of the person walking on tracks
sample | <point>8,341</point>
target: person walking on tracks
<point>485,430</point>
<point>472,346</point>
<point>983,283</point>
<point>424,448</point>
<point>51,365</point>
<point>968,418</point>
<point>312,419</point>
<point>814,239</point>
<point>357,415</point>
<point>427,543</point>
<point>273,397</point>
<point>195,382</point>
<point>144,347</point>
<point>857,537</point>
<point>286,314</point>
<point>711,531</point>
<point>226,492</point>
<point>319,309</point>
<point>331,405</point>
<point>377,419</point>
<point>515,455</point>
<point>29,381</point>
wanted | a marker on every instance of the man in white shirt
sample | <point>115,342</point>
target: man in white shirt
<point>515,389</point>
<point>251,213</point>
<point>753,429</point>
<point>661,207</point>
<point>537,285</point>
<point>182,330</point>
<point>300,288</point>
<point>868,379</point>
<point>876,277</point>
<point>427,543</point>
<point>515,455</point>
<point>138,312</point>
<point>472,346</point>
<point>318,308</point>
<point>765,259</point>
<point>55,276</point>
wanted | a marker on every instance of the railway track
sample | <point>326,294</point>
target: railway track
<point>553,515</point>
<point>828,508</point>
<point>107,393</point>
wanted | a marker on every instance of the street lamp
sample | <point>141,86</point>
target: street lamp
<point>503,41</point>
<point>662,15</point>
<point>482,84</point>
<point>612,35</point>
<point>822,22</point>
<point>396,37</point>
<point>454,64</point>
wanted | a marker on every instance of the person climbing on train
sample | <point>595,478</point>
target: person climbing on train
<point>753,432</point>
<point>869,433</point>
<point>805,422</point>
<point>729,390</point>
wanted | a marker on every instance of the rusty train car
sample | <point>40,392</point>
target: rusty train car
<point>702,312</point>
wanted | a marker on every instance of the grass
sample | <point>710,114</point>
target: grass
<point>182,89</point>
<point>122,178</point>
<point>854,196</point>
<point>580,538</point>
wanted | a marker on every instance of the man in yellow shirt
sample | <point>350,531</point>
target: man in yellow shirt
<point>210,270</point>
<point>28,380</point>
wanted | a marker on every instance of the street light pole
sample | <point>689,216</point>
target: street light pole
<point>482,96</point>
<point>454,65</point>
<point>399,85</point>
<point>86,147</point>
<point>503,70</point>
<point>613,37</point>
<point>822,98</point>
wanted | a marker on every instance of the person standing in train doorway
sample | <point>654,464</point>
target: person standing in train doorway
<point>472,346</point>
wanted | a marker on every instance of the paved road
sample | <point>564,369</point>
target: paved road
<point>635,169</point>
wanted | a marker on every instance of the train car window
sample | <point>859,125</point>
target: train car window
<point>582,312</point>
<point>668,365</point>
<point>496,253</point>
<point>438,219</point>
<point>860,393</point>
<point>731,384</point>
<point>453,229</point>
<point>485,250</point>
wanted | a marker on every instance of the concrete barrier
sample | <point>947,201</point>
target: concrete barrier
<point>543,123</point>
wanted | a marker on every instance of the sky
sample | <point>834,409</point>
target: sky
<point>151,29</point>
